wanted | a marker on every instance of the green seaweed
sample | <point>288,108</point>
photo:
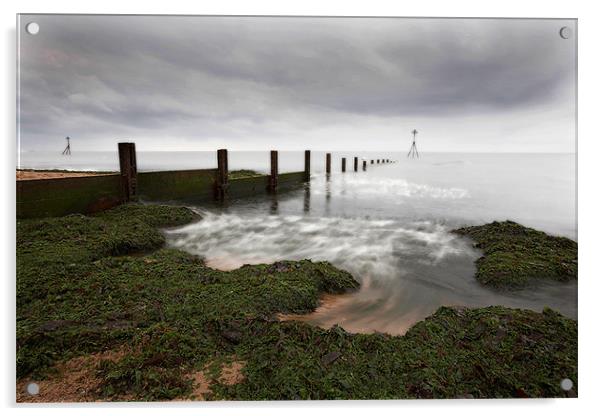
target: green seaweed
<point>514,254</point>
<point>91,284</point>
<point>242,173</point>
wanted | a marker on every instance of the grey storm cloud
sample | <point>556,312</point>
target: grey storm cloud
<point>229,77</point>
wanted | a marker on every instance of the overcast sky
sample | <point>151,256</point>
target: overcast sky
<point>202,83</point>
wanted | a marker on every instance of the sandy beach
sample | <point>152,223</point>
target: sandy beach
<point>27,175</point>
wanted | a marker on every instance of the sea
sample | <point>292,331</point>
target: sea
<point>389,226</point>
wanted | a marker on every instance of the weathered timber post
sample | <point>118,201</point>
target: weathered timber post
<point>364,165</point>
<point>129,171</point>
<point>327,162</point>
<point>355,164</point>
<point>343,164</point>
<point>273,184</point>
<point>221,180</point>
<point>372,161</point>
<point>377,161</point>
<point>307,165</point>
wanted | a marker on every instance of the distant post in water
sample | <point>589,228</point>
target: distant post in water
<point>377,161</point>
<point>129,171</point>
<point>222,174</point>
<point>355,164</point>
<point>67,150</point>
<point>273,184</point>
<point>413,153</point>
<point>343,164</point>
<point>327,162</point>
<point>364,165</point>
<point>307,165</point>
<point>372,161</point>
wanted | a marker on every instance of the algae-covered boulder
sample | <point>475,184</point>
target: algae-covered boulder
<point>513,254</point>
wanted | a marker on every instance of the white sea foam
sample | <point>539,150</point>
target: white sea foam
<point>364,247</point>
<point>392,187</point>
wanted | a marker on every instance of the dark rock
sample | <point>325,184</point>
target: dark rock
<point>232,335</point>
<point>330,357</point>
<point>279,267</point>
<point>54,325</point>
<point>521,393</point>
<point>121,324</point>
<point>500,335</point>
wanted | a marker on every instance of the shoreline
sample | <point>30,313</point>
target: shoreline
<point>178,317</point>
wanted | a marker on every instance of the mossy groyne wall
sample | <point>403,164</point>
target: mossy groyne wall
<point>174,185</point>
<point>61,196</point>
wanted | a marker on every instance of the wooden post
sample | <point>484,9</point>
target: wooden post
<point>364,165</point>
<point>377,161</point>
<point>307,165</point>
<point>273,184</point>
<point>327,162</point>
<point>372,161</point>
<point>222,174</point>
<point>129,171</point>
<point>355,164</point>
<point>343,164</point>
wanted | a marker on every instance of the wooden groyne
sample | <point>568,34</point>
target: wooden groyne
<point>88,194</point>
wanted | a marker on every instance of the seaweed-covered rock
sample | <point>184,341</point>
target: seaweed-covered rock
<point>513,254</point>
